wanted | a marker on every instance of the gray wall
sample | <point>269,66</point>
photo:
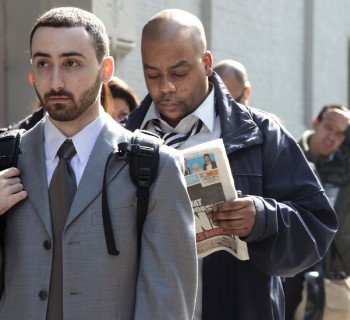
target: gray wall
<point>296,52</point>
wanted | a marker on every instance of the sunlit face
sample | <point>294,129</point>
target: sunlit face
<point>120,109</point>
<point>327,138</point>
<point>176,77</point>
<point>66,73</point>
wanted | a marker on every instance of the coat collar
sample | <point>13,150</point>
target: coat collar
<point>31,164</point>
<point>33,170</point>
<point>238,128</point>
<point>91,182</point>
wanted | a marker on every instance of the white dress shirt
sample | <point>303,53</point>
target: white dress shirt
<point>206,112</point>
<point>210,131</point>
<point>83,141</point>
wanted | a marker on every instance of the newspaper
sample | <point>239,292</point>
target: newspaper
<point>207,185</point>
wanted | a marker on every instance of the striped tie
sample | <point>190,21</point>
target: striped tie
<point>175,139</point>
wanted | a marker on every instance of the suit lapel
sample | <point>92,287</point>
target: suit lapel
<point>90,185</point>
<point>32,165</point>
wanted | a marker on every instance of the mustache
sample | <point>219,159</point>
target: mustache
<point>167,99</point>
<point>58,94</point>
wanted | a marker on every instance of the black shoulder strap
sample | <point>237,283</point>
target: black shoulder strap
<point>9,150</point>
<point>142,153</point>
<point>143,166</point>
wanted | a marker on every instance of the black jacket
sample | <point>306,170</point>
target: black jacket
<point>295,222</point>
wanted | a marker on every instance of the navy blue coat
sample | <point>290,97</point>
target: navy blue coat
<point>295,222</point>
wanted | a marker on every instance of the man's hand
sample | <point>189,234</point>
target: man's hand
<point>237,217</point>
<point>340,119</point>
<point>11,189</point>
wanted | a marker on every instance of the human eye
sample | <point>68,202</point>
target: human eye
<point>328,127</point>
<point>152,75</point>
<point>41,64</point>
<point>72,63</point>
<point>340,134</point>
<point>179,73</point>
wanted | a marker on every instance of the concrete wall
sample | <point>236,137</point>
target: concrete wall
<point>267,37</point>
<point>296,52</point>
<point>331,53</point>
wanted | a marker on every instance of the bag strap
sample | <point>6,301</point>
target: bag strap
<point>142,154</point>
<point>10,142</point>
<point>143,166</point>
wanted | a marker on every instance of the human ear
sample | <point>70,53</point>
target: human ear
<point>31,78</point>
<point>107,69</point>
<point>314,122</point>
<point>247,91</point>
<point>208,63</point>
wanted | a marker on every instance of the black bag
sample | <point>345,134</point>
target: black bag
<point>143,157</point>
<point>9,150</point>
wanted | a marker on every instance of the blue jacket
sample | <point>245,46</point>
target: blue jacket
<point>295,222</point>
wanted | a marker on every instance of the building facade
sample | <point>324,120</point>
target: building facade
<point>296,52</point>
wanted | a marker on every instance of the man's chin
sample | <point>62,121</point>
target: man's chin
<point>61,117</point>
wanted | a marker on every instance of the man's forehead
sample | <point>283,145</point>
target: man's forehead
<point>52,34</point>
<point>50,40</point>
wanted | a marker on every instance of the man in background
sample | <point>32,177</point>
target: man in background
<point>327,148</point>
<point>235,77</point>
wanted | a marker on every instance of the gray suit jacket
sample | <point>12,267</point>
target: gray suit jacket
<point>99,286</point>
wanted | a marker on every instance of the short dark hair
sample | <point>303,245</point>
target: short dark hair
<point>119,89</point>
<point>328,107</point>
<point>68,17</point>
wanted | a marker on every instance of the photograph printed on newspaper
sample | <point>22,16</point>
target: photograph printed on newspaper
<point>209,181</point>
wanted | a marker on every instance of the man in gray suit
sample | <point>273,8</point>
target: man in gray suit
<point>70,60</point>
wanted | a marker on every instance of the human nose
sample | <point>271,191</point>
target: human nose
<point>167,86</point>
<point>57,83</point>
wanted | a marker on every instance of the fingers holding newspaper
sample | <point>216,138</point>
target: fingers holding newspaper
<point>237,216</point>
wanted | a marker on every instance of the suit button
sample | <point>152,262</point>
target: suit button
<point>43,294</point>
<point>47,244</point>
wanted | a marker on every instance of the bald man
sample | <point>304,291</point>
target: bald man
<point>284,215</point>
<point>235,77</point>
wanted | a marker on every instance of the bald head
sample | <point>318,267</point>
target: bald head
<point>176,64</point>
<point>225,68</point>
<point>235,77</point>
<point>171,24</point>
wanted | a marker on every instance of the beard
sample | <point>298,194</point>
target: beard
<point>72,109</point>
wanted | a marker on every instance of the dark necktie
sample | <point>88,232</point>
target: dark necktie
<point>61,193</point>
<point>175,139</point>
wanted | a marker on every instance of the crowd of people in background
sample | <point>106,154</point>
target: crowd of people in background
<point>284,215</point>
<point>118,99</point>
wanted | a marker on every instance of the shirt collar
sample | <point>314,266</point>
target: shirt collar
<point>83,141</point>
<point>205,112</point>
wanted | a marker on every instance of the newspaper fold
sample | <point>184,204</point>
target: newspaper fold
<point>209,181</point>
